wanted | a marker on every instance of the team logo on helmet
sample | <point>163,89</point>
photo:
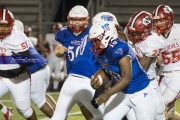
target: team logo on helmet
<point>106,27</point>
<point>146,21</point>
<point>167,9</point>
<point>107,18</point>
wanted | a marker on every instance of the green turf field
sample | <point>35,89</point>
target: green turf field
<point>74,114</point>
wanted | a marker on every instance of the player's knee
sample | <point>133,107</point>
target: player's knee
<point>39,103</point>
<point>38,100</point>
<point>80,104</point>
<point>26,113</point>
<point>159,106</point>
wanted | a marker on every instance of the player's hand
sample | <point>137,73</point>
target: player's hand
<point>103,98</point>
<point>60,50</point>
<point>96,81</point>
<point>15,54</point>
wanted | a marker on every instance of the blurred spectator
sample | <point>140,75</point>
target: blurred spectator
<point>57,65</point>
<point>28,32</point>
<point>42,46</point>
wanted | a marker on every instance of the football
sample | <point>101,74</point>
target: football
<point>98,79</point>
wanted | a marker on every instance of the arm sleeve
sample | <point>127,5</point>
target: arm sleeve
<point>60,35</point>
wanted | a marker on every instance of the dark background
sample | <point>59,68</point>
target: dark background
<point>65,7</point>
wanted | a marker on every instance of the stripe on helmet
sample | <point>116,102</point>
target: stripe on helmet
<point>157,9</point>
<point>4,15</point>
<point>134,20</point>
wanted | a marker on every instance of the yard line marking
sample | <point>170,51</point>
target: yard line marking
<point>45,119</point>
<point>70,114</point>
<point>53,93</point>
<point>6,100</point>
<point>74,113</point>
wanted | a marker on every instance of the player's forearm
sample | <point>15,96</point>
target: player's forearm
<point>119,86</point>
<point>146,62</point>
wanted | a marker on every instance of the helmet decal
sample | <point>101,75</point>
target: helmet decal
<point>146,21</point>
<point>106,27</point>
<point>135,18</point>
<point>104,16</point>
<point>107,18</point>
<point>167,9</point>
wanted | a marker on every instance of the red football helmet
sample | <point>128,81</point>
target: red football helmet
<point>163,19</point>
<point>6,23</point>
<point>80,14</point>
<point>139,26</point>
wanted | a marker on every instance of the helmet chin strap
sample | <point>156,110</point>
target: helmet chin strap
<point>166,33</point>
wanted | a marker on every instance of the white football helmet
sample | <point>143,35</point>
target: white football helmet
<point>78,12</point>
<point>19,25</point>
<point>106,16</point>
<point>101,34</point>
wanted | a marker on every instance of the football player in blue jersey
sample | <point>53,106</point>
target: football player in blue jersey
<point>107,16</point>
<point>80,65</point>
<point>119,63</point>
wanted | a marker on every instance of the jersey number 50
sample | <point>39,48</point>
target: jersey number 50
<point>73,53</point>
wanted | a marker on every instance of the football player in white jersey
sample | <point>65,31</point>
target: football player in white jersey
<point>164,26</point>
<point>15,78</point>
<point>44,102</point>
<point>147,46</point>
<point>57,65</point>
